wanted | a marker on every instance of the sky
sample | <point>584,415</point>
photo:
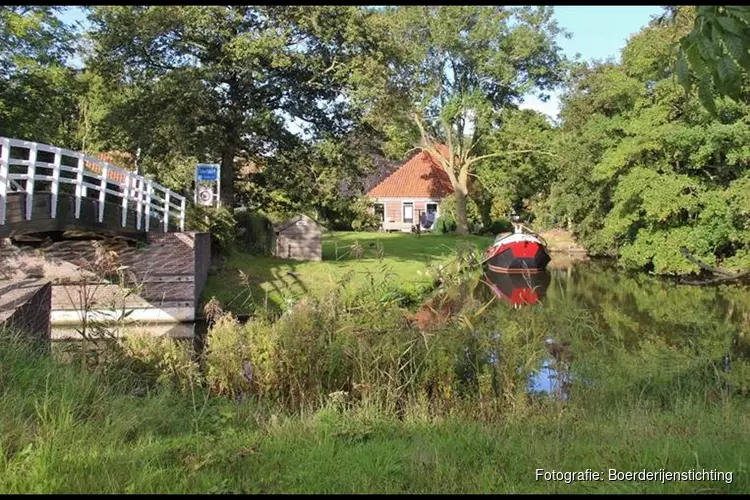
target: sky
<point>598,32</point>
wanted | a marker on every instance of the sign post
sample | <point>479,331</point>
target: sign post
<point>207,184</point>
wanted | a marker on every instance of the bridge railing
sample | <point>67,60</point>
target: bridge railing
<point>30,167</point>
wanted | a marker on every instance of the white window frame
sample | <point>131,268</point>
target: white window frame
<point>382,203</point>
<point>403,205</point>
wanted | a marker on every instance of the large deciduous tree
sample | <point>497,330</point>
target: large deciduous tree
<point>646,170</point>
<point>454,70</point>
<point>37,87</point>
<point>223,81</point>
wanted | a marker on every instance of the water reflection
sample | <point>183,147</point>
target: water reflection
<point>519,289</point>
<point>665,331</point>
<point>602,326</point>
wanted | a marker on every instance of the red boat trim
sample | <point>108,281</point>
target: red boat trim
<point>515,270</point>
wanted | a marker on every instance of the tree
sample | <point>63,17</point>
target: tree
<point>511,183</point>
<point>713,56</point>
<point>647,170</point>
<point>452,72</point>
<point>223,81</point>
<point>38,89</point>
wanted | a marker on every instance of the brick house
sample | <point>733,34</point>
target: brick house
<point>413,189</point>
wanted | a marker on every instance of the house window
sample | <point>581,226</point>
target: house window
<point>380,211</point>
<point>408,212</point>
<point>432,208</point>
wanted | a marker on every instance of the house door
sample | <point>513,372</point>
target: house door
<point>428,221</point>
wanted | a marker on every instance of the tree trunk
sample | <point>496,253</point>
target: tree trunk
<point>463,221</point>
<point>227,176</point>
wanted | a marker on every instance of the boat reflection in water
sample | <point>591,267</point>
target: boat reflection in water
<point>519,289</point>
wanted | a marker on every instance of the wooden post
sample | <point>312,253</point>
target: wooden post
<point>103,191</point>
<point>166,211</point>
<point>30,173</point>
<point>149,192</point>
<point>79,185</point>
<point>125,196</point>
<point>4,181</point>
<point>55,182</point>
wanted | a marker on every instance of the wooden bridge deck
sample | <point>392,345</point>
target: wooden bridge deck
<point>65,220</point>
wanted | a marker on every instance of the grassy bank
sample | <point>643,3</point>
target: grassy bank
<point>70,431</point>
<point>247,281</point>
<point>344,394</point>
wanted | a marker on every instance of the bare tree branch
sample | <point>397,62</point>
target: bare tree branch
<point>519,151</point>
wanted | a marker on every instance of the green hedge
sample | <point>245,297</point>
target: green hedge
<point>219,221</point>
<point>255,233</point>
<point>245,231</point>
<point>446,223</point>
<point>501,225</point>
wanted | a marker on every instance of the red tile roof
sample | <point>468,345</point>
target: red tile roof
<point>422,176</point>
<point>117,158</point>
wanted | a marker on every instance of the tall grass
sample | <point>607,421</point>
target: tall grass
<point>350,393</point>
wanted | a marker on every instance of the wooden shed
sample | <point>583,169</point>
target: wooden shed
<point>299,238</point>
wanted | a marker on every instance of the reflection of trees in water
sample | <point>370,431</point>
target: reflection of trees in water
<point>636,308</point>
<point>627,334</point>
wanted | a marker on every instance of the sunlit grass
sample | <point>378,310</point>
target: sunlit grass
<point>406,258</point>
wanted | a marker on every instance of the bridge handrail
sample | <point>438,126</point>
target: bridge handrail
<point>150,198</point>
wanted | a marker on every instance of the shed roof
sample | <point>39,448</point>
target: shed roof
<point>420,176</point>
<point>290,222</point>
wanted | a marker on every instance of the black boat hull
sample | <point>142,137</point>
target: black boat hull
<point>519,257</point>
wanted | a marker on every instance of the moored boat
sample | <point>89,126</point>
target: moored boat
<point>519,252</point>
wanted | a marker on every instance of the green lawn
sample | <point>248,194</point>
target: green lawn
<point>405,258</point>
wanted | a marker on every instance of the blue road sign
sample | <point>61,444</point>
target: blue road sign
<point>207,172</point>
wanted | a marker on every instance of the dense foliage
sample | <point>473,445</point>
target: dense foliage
<point>647,169</point>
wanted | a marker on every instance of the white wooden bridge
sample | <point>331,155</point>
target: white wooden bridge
<point>45,188</point>
<point>51,191</point>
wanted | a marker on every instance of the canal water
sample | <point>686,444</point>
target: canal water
<point>647,326</point>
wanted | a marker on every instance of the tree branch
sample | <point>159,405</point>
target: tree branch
<point>714,270</point>
<point>491,155</point>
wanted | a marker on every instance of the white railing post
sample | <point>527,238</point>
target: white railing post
<point>56,182</point>
<point>182,214</point>
<point>30,174</point>
<point>125,196</point>
<point>79,185</point>
<point>139,202</point>
<point>149,191</point>
<point>166,211</point>
<point>103,192</point>
<point>4,178</point>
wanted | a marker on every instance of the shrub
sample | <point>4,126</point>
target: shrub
<point>448,207</point>
<point>255,233</point>
<point>446,223</point>
<point>501,225</point>
<point>350,213</point>
<point>219,221</point>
